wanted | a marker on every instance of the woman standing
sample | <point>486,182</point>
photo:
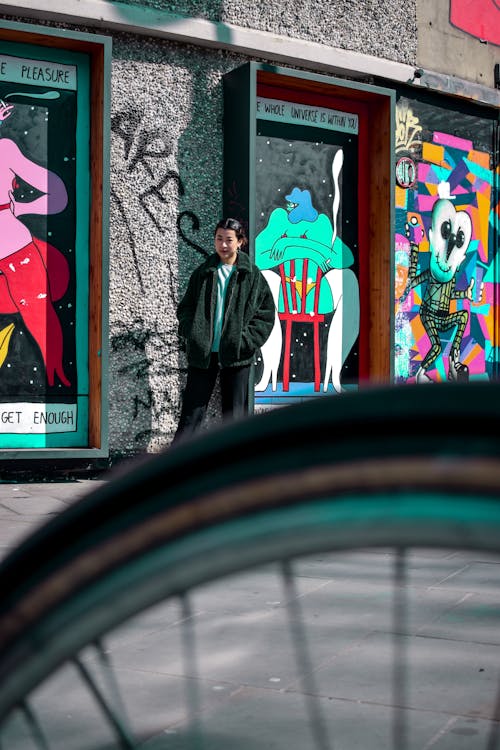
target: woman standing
<point>226,314</point>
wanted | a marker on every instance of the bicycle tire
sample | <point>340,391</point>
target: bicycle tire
<point>350,481</point>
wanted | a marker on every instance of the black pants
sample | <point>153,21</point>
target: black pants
<point>199,388</point>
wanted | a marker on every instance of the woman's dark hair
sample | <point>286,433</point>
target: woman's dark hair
<point>235,225</point>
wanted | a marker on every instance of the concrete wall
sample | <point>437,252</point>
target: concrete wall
<point>166,196</point>
<point>366,26</point>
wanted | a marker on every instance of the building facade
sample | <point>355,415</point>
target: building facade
<point>359,143</point>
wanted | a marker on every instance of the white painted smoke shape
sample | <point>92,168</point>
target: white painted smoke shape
<point>271,350</point>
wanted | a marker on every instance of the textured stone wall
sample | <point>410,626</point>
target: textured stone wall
<point>166,196</point>
<point>384,29</point>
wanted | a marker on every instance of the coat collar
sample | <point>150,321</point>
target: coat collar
<point>243,264</point>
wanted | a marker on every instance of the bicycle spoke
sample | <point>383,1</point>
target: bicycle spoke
<point>125,739</point>
<point>191,673</point>
<point>304,663</point>
<point>34,726</point>
<point>494,734</point>
<point>113,687</point>
<point>399,679</point>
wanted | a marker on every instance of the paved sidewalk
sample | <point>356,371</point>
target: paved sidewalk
<point>248,685</point>
<point>25,506</point>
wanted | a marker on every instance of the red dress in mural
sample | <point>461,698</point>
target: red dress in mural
<point>481,18</point>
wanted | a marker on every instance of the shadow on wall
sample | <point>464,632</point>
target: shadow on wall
<point>200,163</point>
<point>143,341</point>
<point>199,9</point>
<point>137,343</point>
<point>179,170</point>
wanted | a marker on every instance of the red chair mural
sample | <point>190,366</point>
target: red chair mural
<point>295,289</point>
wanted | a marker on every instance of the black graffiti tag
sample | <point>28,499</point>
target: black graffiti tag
<point>150,146</point>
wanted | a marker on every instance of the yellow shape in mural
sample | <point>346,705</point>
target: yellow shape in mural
<point>298,285</point>
<point>401,196</point>
<point>482,158</point>
<point>482,224</point>
<point>418,331</point>
<point>408,128</point>
<point>5,335</point>
<point>434,154</point>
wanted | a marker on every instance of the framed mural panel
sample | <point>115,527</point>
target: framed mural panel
<point>50,254</point>
<point>306,245</point>
<point>300,172</point>
<point>446,244</point>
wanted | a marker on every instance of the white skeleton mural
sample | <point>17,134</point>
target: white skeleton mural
<point>449,238</point>
<point>307,267</point>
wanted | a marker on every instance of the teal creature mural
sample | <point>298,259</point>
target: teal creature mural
<point>308,268</point>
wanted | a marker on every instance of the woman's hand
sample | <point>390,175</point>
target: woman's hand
<point>5,110</point>
<point>12,201</point>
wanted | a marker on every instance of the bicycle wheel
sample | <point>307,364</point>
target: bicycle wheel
<point>330,475</point>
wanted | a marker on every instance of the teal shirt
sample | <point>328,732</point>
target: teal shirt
<point>224,272</point>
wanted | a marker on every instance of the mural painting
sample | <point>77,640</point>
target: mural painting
<point>479,18</point>
<point>43,389</point>
<point>445,247</point>
<point>306,247</point>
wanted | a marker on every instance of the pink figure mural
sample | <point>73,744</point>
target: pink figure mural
<point>33,273</point>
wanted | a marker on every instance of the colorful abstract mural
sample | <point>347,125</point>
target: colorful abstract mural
<point>445,255</point>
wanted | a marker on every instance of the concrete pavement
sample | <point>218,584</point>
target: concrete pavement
<point>245,680</point>
<point>23,506</point>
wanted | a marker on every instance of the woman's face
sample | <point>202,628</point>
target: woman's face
<point>227,245</point>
